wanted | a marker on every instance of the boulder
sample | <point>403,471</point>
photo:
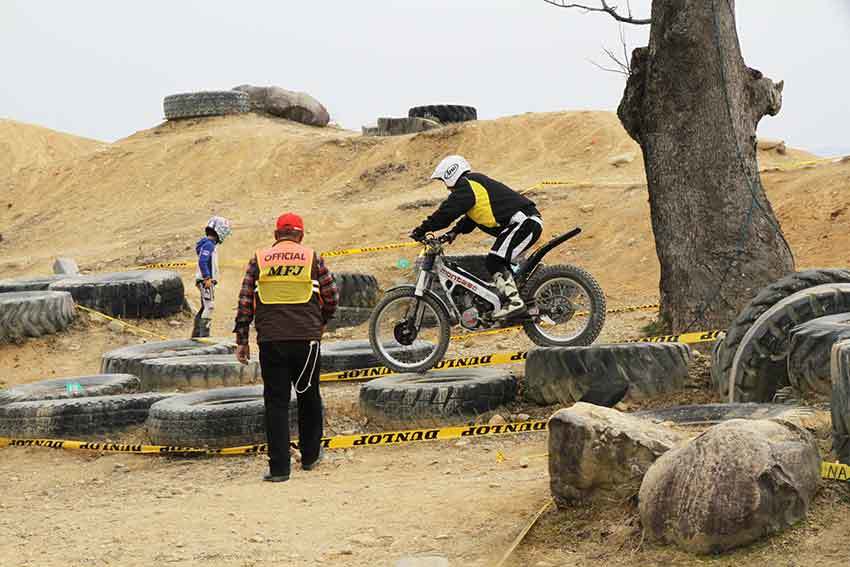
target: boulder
<point>66,266</point>
<point>594,448</point>
<point>737,482</point>
<point>295,106</point>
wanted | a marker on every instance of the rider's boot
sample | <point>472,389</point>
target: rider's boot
<point>507,286</point>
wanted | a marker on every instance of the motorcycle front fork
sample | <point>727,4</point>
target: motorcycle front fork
<point>422,284</point>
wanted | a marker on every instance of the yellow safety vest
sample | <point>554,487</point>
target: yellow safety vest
<point>481,213</point>
<point>285,274</point>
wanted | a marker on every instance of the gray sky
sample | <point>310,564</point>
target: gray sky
<point>101,68</point>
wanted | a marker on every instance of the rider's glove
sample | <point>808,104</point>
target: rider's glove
<point>417,233</point>
<point>450,236</point>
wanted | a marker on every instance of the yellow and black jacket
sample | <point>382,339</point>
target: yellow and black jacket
<point>484,203</point>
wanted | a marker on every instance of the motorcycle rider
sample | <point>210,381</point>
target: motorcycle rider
<point>494,208</point>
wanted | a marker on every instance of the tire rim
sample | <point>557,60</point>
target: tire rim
<point>388,319</point>
<point>562,301</point>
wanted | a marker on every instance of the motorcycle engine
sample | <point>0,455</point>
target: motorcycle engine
<point>471,307</point>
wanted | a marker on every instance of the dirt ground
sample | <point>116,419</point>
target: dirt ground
<point>145,198</point>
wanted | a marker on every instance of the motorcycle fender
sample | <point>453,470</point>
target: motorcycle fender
<point>450,312</point>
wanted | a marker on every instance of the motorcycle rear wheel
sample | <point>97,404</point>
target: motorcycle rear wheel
<point>571,304</point>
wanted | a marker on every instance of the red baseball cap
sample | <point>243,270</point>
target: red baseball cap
<point>290,221</point>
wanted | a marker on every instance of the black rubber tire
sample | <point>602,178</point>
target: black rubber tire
<point>444,113</point>
<point>590,286</point>
<point>444,396</point>
<point>349,317</point>
<point>351,355</point>
<point>809,352</point>
<point>203,371</point>
<point>224,417</point>
<point>763,301</point>
<point>760,365</point>
<point>840,401</point>
<point>35,313</point>
<point>138,294</point>
<point>716,373</point>
<point>128,359</point>
<point>57,388</point>
<point>205,103</point>
<point>604,374</point>
<point>77,416</point>
<point>28,284</point>
<point>357,290</point>
<point>443,323</point>
<point>711,414</point>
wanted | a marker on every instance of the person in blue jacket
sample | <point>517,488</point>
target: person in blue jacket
<point>206,276</point>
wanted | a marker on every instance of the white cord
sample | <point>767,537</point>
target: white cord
<point>312,370</point>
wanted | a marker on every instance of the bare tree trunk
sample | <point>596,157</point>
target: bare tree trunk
<point>693,106</point>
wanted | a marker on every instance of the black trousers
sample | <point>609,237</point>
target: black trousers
<point>282,364</point>
<point>517,237</point>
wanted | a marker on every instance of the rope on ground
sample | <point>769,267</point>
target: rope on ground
<point>123,323</point>
<point>524,533</point>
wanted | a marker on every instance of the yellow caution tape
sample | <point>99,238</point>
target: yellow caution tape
<point>504,330</point>
<point>337,442</point>
<point>369,249</point>
<point>685,338</point>
<point>509,357</point>
<point>124,323</point>
<point>835,471</point>
<point>183,264</point>
<point>513,357</point>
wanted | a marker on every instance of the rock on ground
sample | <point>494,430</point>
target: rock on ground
<point>594,448</point>
<point>734,484</point>
<point>401,126</point>
<point>66,266</point>
<point>295,106</point>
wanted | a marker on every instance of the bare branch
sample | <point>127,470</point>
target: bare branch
<point>606,8</point>
<point>609,69</point>
<point>621,65</point>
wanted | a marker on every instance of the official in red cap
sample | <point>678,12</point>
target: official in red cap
<point>290,295</point>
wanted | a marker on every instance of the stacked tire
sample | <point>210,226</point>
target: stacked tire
<point>138,294</point>
<point>224,417</point>
<point>604,374</point>
<point>205,103</point>
<point>444,113</point>
<point>35,313</point>
<point>358,295</point>
<point>759,354</point>
<point>81,405</point>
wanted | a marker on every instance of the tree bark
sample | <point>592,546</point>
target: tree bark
<point>693,106</point>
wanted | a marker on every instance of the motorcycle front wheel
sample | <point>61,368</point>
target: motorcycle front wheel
<point>403,320</point>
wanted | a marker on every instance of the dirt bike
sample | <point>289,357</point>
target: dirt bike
<point>565,306</point>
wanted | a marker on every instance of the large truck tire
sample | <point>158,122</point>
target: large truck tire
<point>205,103</point>
<point>225,417</point>
<point>137,294</point>
<point>35,313</point>
<point>764,300</point>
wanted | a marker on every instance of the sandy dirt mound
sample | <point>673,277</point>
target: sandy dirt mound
<point>26,145</point>
<point>146,198</point>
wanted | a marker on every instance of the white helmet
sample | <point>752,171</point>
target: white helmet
<point>221,226</point>
<point>450,170</point>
